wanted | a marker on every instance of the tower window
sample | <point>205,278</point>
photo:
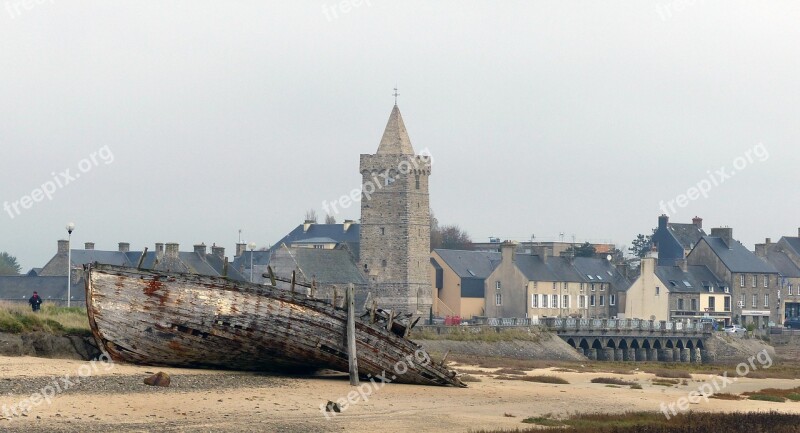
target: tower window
<point>417,181</point>
<point>383,230</point>
<point>383,263</point>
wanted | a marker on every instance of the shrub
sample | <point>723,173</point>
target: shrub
<point>546,379</point>
<point>767,397</point>
<point>612,381</point>
<point>672,374</point>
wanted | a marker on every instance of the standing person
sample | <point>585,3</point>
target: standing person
<point>35,301</point>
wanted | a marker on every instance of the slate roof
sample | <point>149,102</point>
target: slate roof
<point>794,243</point>
<point>780,261</point>
<point>698,277</point>
<point>20,288</point>
<point>336,266</point>
<point>606,271</point>
<point>737,258</point>
<point>332,231</point>
<point>688,235</point>
<point>395,139</point>
<point>470,264</point>
<point>578,271</point>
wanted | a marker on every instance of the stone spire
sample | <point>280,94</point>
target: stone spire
<point>395,139</point>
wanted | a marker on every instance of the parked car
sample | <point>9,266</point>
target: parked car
<point>792,323</point>
<point>735,330</point>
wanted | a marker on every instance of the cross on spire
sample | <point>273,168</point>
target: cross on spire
<point>395,94</point>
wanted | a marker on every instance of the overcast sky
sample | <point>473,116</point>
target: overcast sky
<point>574,117</point>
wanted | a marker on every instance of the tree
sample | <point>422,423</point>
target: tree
<point>330,219</point>
<point>449,237</point>
<point>311,215</point>
<point>453,238</point>
<point>641,245</point>
<point>8,264</point>
<point>585,250</point>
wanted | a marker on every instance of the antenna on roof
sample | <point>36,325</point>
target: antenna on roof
<point>240,236</point>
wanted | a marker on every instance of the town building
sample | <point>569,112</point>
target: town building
<point>459,279</point>
<point>678,292</point>
<point>674,241</point>
<point>754,284</point>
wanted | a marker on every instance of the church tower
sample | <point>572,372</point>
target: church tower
<point>395,231</point>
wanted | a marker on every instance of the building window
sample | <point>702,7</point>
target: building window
<point>755,301</point>
<point>726,289</point>
<point>554,285</point>
<point>741,300</point>
<point>544,301</point>
<point>755,280</point>
<point>383,263</point>
<point>712,303</point>
<point>582,301</point>
<point>565,301</point>
<point>766,281</point>
<point>497,285</point>
<point>417,181</point>
<point>693,303</point>
<point>680,304</point>
<point>582,287</point>
<point>383,230</point>
<point>602,287</point>
<point>534,301</point>
<point>498,299</point>
<point>727,303</point>
<point>592,286</point>
<point>591,300</point>
<point>554,301</point>
<point>658,289</point>
<point>766,300</point>
<point>790,289</point>
<point>319,247</point>
<point>612,300</point>
<point>602,300</point>
<point>534,284</point>
<point>741,280</point>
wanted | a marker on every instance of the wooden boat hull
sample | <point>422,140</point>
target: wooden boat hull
<point>188,320</point>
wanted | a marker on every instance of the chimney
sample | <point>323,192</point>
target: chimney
<point>724,233</point>
<point>347,224</point>
<point>681,263</point>
<point>307,225</point>
<point>200,249</point>
<point>653,253</point>
<point>172,250</point>
<point>218,251</point>
<point>159,250</point>
<point>88,246</point>
<point>240,249</point>
<point>697,221</point>
<point>63,246</point>
<point>648,266</point>
<point>508,250</point>
<point>761,249</point>
<point>541,251</point>
<point>662,221</point>
<point>798,232</point>
<point>124,247</point>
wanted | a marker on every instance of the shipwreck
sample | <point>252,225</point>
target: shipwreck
<point>188,320</point>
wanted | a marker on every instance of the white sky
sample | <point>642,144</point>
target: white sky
<point>542,117</point>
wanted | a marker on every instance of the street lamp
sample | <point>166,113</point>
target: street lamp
<point>70,228</point>
<point>252,246</point>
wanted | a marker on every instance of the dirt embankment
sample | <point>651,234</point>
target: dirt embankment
<point>46,345</point>
<point>726,349</point>
<point>544,346</point>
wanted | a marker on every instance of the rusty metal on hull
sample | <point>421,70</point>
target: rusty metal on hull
<point>188,320</point>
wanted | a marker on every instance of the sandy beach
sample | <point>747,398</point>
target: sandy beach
<point>112,397</point>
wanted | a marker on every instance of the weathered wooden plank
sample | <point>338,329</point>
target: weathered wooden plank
<point>351,334</point>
